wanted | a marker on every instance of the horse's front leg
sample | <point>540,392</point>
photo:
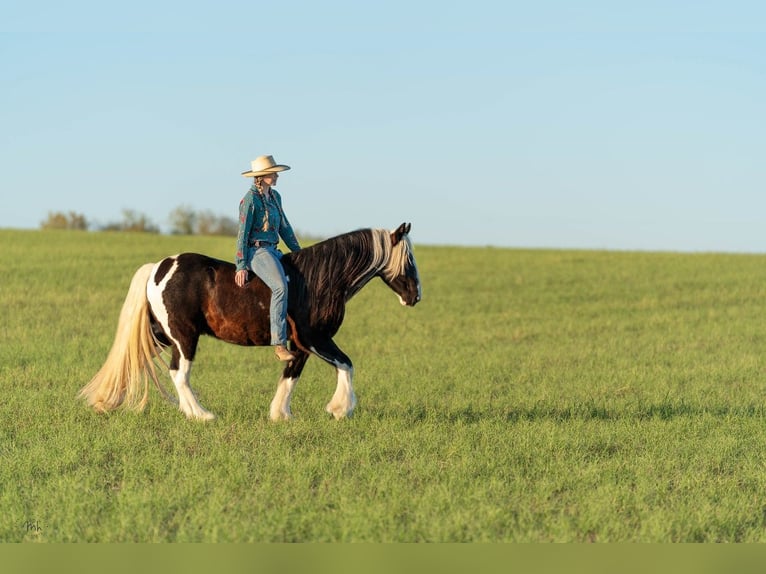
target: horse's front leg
<point>343,401</point>
<point>280,404</point>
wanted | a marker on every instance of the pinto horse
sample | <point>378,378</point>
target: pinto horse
<point>170,304</point>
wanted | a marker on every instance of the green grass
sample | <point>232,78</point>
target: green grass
<point>531,396</point>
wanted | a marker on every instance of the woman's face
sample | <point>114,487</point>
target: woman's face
<point>271,179</point>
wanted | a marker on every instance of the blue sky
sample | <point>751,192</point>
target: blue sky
<point>590,124</point>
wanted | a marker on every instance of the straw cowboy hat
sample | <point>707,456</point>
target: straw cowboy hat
<point>264,165</point>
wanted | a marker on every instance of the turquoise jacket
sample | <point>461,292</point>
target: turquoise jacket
<point>261,218</point>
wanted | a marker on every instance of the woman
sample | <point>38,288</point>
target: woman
<point>261,223</point>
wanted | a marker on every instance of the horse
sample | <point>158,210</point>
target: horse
<point>171,303</point>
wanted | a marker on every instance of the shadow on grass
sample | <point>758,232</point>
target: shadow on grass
<point>666,410</point>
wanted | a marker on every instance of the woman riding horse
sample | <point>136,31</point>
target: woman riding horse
<point>262,222</point>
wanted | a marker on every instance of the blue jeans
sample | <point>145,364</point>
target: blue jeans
<point>266,265</point>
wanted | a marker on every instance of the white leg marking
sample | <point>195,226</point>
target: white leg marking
<point>343,401</point>
<point>280,404</point>
<point>154,294</point>
<point>187,402</point>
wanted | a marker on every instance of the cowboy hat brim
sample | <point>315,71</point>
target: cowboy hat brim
<point>267,171</point>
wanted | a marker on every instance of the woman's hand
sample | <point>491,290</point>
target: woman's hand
<point>240,278</point>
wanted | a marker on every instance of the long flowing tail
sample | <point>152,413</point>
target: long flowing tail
<point>124,377</point>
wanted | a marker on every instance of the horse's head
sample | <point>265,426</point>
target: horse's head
<point>401,272</point>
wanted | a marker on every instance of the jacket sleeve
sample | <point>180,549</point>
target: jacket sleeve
<point>286,230</point>
<point>245,223</point>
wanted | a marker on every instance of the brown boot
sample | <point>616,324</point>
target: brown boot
<point>283,354</point>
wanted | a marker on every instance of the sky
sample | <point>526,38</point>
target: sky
<point>548,124</point>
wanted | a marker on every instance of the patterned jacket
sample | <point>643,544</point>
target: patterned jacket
<point>261,218</point>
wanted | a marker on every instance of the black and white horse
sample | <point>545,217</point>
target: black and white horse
<point>173,302</point>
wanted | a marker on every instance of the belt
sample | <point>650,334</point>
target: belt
<point>262,244</point>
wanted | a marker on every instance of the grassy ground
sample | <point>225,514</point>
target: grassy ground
<point>531,396</point>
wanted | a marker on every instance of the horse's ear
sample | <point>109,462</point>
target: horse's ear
<point>400,232</point>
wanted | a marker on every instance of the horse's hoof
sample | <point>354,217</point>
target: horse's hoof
<point>337,414</point>
<point>279,417</point>
<point>204,417</point>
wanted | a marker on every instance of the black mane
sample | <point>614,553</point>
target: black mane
<point>325,275</point>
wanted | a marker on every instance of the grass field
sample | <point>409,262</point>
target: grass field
<point>531,396</point>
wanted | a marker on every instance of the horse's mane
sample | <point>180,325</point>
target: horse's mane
<point>334,270</point>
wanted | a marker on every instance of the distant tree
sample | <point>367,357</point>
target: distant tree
<point>132,221</point>
<point>210,224</point>
<point>183,221</point>
<point>58,220</point>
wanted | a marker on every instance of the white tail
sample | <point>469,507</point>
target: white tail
<point>124,377</point>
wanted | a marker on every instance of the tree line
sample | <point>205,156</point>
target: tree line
<point>183,221</point>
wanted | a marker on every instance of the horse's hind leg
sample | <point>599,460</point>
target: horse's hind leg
<point>280,404</point>
<point>180,372</point>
